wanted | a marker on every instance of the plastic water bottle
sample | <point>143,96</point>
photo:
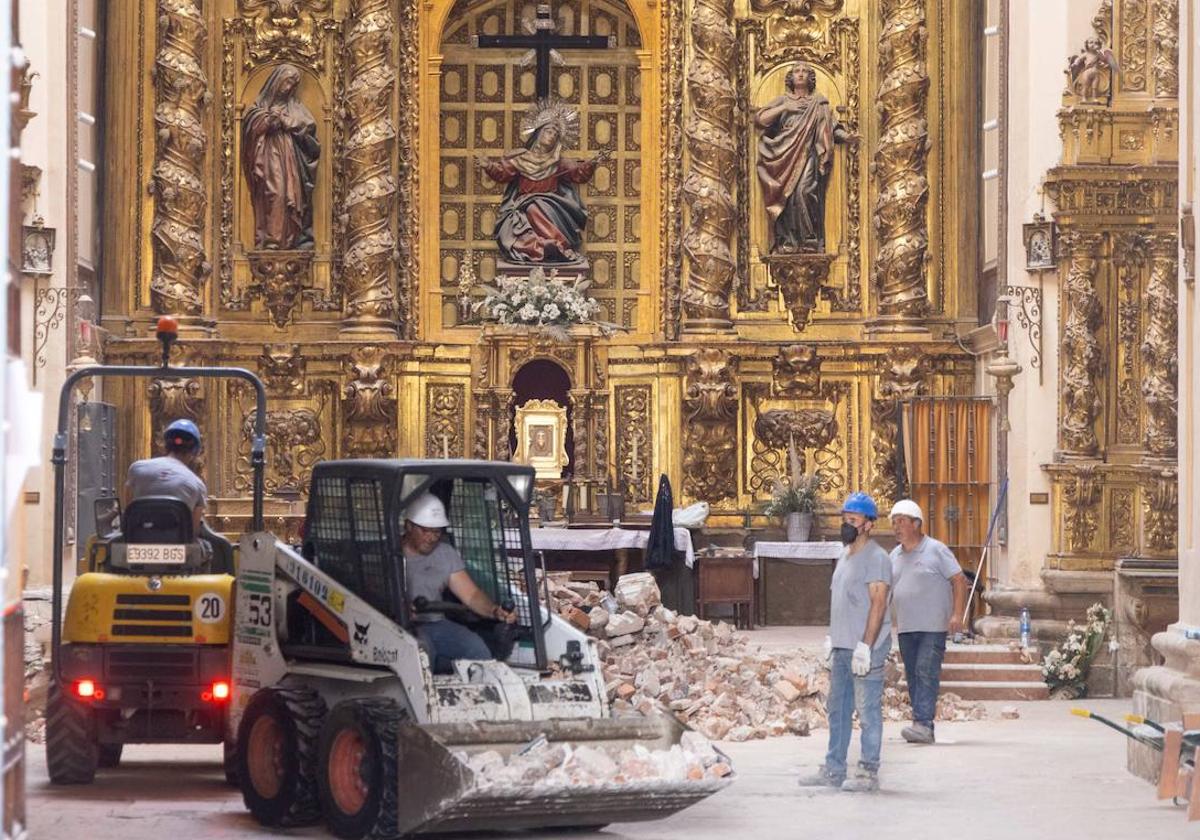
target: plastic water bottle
<point>1024,627</point>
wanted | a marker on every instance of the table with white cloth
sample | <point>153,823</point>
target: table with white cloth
<point>793,581</point>
<point>617,547</point>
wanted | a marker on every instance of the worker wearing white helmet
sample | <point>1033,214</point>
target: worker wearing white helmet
<point>433,566</point>
<point>929,596</point>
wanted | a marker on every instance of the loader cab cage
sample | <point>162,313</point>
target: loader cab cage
<point>355,530</point>
<point>167,334</point>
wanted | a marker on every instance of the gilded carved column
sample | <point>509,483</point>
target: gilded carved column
<point>368,265</point>
<point>711,222</point>
<point>1165,32</point>
<point>1160,349</point>
<point>1080,354</point>
<point>181,99</point>
<point>900,162</point>
<point>902,378</point>
<point>710,406</point>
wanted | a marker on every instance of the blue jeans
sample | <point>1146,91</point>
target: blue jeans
<point>923,653</point>
<point>848,693</point>
<point>444,641</point>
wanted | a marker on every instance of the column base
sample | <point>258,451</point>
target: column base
<point>1164,693</point>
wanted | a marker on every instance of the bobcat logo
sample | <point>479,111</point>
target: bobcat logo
<point>360,633</point>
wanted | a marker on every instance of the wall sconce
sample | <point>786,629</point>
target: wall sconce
<point>37,248</point>
<point>1041,243</point>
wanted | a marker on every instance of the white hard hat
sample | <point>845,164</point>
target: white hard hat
<point>427,511</point>
<point>907,507</point>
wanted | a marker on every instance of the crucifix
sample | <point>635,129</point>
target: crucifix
<point>543,45</point>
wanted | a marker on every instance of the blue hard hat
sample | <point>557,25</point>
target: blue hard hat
<point>861,503</point>
<point>181,427</point>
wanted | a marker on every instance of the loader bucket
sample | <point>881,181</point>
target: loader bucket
<point>440,793</point>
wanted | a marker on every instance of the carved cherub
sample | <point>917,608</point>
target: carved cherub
<point>1091,73</point>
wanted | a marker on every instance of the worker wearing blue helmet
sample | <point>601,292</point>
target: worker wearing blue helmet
<point>173,474</point>
<point>860,636</point>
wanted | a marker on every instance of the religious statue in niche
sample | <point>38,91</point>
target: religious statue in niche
<point>1090,73</point>
<point>541,217</point>
<point>795,156</point>
<point>279,159</point>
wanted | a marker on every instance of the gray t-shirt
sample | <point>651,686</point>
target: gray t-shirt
<point>850,603</point>
<point>166,476</point>
<point>428,574</point>
<point>922,594</point>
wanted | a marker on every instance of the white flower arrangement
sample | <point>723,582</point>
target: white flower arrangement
<point>1065,668</point>
<point>542,301</point>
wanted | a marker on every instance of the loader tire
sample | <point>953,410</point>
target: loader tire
<point>72,754</point>
<point>277,756</point>
<point>357,782</point>
<point>110,755</point>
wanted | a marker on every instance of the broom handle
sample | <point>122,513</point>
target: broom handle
<point>987,545</point>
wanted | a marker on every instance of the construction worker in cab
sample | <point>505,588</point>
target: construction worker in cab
<point>173,474</point>
<point>860,637</point>
<point>431,566</point>
<point>930,598</point>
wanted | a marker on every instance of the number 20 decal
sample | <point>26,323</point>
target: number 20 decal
<point>210,608</point>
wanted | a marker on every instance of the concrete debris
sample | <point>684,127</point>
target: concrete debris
<point>623,623</point>
<point>638,592</point>
<point>1009,712</point>
<point>544,766</point>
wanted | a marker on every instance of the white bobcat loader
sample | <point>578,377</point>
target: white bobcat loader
<point>338,713</point>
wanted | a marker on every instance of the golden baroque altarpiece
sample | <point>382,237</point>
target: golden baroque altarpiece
<point>728,352</point>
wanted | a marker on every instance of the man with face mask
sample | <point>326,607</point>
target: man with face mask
<point>860,636</point>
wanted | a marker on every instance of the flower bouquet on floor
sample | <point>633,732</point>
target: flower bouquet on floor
<point>1065,668</point>
<point>543,302</point>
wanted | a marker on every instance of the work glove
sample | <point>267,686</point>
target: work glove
<point>860,664</point>
<point>827,651</point>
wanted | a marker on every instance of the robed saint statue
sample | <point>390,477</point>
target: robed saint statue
<point>279,159</point>
<point>795,156</point>
<point>541,216</point>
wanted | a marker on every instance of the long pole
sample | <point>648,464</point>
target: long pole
<point>987,544</point>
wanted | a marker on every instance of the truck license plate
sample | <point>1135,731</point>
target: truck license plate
<point>166,554</point>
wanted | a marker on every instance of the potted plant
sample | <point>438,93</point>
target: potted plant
<point>794,502</point>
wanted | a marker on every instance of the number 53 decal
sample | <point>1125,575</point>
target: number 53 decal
<point>260,609</point>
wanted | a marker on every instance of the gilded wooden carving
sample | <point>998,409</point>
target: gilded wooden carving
<point>797,369</point>
<point>800,278</point>
<point>292,29</point>
<point>368,407</point>
<point>181,102</point>
<point>1162,511</point>
<point>635,442</point>
<point>711,216</point>
<point>903,377</point>
<point>1123,536</point>
<point>279,279</point>
<point>1130,258</point>
<point>1160,349</point>
<point>282,369</point>
<point>1165,33</point>
<point>1081,357</point>
<point>900,161</point>
<point>1082,494</point>
<point>294,445</point>
<point>445,420</point>
<point>370,297</point>
<point>710,406</point>
<point>1134,44</point>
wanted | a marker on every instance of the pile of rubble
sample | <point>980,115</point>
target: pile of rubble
<point>700,671</point>
<point>546,766</point>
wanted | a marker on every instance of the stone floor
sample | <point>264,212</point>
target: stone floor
<point>1047,774</point>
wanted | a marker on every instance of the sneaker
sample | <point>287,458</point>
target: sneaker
<point>863,781</point>
<point>918,733</point>
<point>822,778</point>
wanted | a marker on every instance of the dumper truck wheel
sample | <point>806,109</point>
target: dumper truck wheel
<point>357,780</point>
<point>277,756</point>
<point>72,753</point>
<point>110,755</point>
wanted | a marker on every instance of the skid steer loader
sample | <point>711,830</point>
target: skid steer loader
<point>341,717</point>
<point>141,652</point>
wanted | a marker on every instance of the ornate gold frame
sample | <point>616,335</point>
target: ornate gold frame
<point>533,417</point>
